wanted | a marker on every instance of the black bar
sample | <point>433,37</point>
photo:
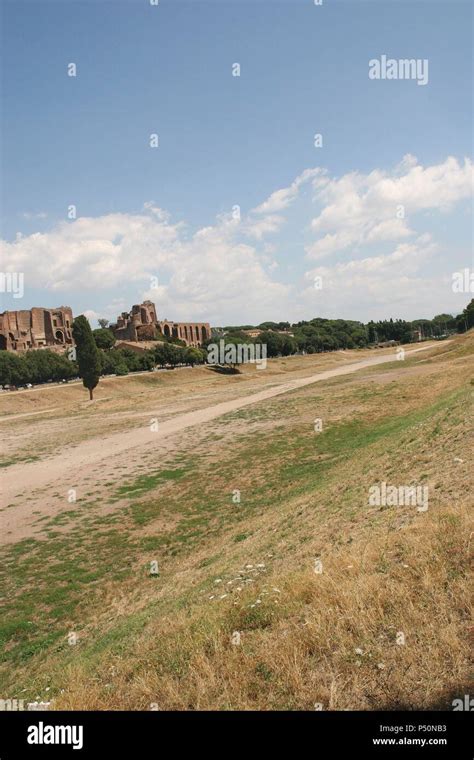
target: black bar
<point>155,734</point>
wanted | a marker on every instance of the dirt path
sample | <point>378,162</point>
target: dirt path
<point>21,480</point>
<point>9,417</point>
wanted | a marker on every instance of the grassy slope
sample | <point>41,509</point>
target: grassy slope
<point>167,639</point>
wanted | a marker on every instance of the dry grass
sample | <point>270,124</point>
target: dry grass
<point>328,638</point>
<point>60,416</point>
<point>331,638</point>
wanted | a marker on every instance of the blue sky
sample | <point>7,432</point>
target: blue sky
<point>163,213</point>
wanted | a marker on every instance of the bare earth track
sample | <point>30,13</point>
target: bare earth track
<point>21,480</point>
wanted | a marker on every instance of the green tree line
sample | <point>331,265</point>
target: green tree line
<point>311,336</point>
<point>41,366</point>
<point>319,334</point>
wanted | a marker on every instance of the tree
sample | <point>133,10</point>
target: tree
<point>193,356</point>
<point>121,368</point>
<point>268,326</point>
<point>445,322</point>
<point>13,369</point>
<point>273,342</point>
<point>372,333</point>
<point>168,353</point>
<point>288,345</point>
<point>88,356</point>
<point>175,354</point>
<point>103,338</point>
<point>46,365</point>
<point>112,363</point>
<point>160,357</point>
<point>103,323</point>
<point>465,320</point>
<point>147,361</point>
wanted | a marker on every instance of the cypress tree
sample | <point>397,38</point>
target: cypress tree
<point>88,357</point>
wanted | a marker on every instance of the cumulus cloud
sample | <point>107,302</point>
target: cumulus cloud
<point>217,274</point>
<point>94,253</point>
<point>360,209</point>
<point>203,276</point>
<point>259,228</point>
<point>230,270</point>
<point>400,281</point>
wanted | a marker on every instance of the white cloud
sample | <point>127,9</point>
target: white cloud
<point>258,228</point>
<point>281,199</point>
<point>94,253</point>
<point>265,219</point>
<point>359,209</point>
<point>228,271</point>
<point>399,282</point>
<point>91,315</point>
<point>216,277</point>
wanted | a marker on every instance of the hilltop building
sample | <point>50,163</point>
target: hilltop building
<point>142,324</point>
<point>36,328</point>
<point>52,328</point>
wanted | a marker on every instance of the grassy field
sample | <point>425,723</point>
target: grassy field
<point>278,585</point>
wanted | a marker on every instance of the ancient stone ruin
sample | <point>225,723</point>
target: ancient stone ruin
<point>36,328</point>
<point>142,324</point>
<point>52,328</point>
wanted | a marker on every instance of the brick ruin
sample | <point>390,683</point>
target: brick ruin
<point>52,328</point>
<point>142,323</point>
<point>36,328</point>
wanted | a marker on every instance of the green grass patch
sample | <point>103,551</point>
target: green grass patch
<point>145,483</point>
